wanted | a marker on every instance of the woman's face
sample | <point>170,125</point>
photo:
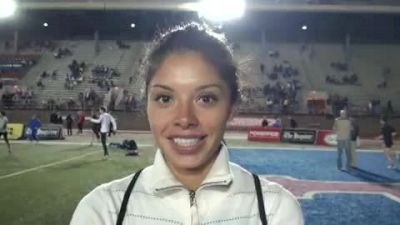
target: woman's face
<point>188,106</point>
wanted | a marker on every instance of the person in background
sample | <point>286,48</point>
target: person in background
<point>191,87</point>
<point>342,127</point>
<point>80,121</point>
<point>292,123</point>
<point>34,125</point>
<point>95,128</point>
<point>3,129</point>
<point>69,122</point>
<point>277,123</point>
<point>106,121</point>
<point>387,133</point>
<point>264,122</point>
<point>355,129</point>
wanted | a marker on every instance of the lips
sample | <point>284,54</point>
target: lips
<point>186,142</point>
<point>187,145</point>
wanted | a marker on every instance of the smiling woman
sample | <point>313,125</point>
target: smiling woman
<point>191,88</point>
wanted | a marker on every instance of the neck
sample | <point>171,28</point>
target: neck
<point>192,178</point>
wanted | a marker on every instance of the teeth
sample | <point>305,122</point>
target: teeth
<point>186,142</point>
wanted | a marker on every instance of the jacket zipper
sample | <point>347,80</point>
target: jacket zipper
<point>192,196</point>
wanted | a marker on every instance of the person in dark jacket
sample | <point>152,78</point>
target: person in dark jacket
<point>355,129</point>
<point>387,133</point>
<point>69,121</point>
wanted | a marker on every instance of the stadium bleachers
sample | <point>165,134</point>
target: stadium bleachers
<point>312,60</point>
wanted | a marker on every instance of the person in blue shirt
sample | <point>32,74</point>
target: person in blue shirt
<point>277,123</point>
<point>34,126</point>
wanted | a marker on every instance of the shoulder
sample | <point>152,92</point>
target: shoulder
<point>107,190</point>
<point>244,177</point>
<point>102,204</point>
<point>278,201</point>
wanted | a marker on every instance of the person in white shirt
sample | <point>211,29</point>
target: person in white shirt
<point>3,129</point>
<point>342,126</point>
<point>106,121</point>
<point>191,89</point>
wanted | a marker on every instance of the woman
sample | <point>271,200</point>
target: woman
<point>191,88</point>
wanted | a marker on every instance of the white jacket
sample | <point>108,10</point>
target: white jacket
<point>105,119</point>
<point>226,197</point>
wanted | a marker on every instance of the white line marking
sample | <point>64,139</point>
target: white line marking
<point>60,142</point>
<point>310,195</point>
<point>45,166</point>
<point>302,148</point>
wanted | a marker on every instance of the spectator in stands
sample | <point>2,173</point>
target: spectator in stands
<point>270,104</point>
<point>191,81</point>
<point>40,83</point>
<point>81,100</point>
<point>355,129</point>
<point>382,85</point>
<point>387,133</point>
<point>285,106</point>
<point>54,75</point>
<point>33,126</point>
<point>4,130</point>
<point>69,122</point>
<point>342,127</point>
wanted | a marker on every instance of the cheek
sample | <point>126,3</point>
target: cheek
<point>214,121</point>
<point>155,119</point>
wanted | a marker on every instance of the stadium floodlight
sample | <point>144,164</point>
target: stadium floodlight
<point>304,27</point>
<point>221,10</point>
<point>133,25</point>
<point>7,8</point>
<point>45,24</point>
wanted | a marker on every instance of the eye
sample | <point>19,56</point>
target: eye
<point>207,99</point>
<point>163,99</point>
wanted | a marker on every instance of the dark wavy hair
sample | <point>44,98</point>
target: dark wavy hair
<point>193,37</point>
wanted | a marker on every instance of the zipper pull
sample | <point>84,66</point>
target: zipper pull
<point>192,195</point>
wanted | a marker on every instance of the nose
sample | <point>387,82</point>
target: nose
<point>185,116</point>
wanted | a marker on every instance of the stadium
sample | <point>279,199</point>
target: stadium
<point>301,64</point>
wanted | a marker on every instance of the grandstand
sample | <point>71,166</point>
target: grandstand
<point>294,50</point>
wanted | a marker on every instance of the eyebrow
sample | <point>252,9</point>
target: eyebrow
<point>202,87</point>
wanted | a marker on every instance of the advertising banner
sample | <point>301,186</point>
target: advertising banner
<point>264,134</point>
<point>48,132</point>
<point>326,137</point>
<point>245,123</point>
<point>15,131</point>
<point>299,136</point>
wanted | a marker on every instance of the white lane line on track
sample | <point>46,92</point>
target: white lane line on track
<point>302,148</point>
<point>69,143</point>
<point>45,166</point>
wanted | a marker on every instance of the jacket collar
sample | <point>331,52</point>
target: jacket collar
<point>161,177</point>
